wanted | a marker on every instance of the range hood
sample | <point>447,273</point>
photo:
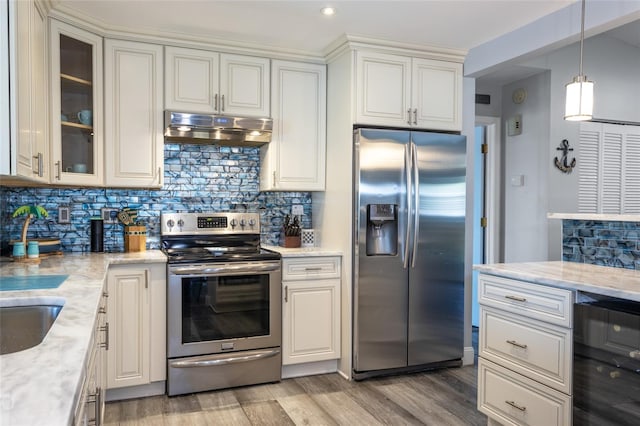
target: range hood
<point>216,129</point>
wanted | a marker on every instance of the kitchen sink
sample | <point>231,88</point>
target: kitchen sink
<point>23,327</point>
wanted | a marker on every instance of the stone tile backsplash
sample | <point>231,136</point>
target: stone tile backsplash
<point>606,243</point>
<point>196,178</point>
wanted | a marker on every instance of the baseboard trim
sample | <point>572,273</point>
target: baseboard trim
<point>468,356</point>
<point>309,369</point>
<point>130,392</point>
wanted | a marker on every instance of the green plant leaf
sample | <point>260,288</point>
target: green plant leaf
<point>22,210</point>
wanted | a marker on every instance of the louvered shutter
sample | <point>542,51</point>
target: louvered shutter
<point>631,176</point>
<point>588,169</point>
<point>609,169</point>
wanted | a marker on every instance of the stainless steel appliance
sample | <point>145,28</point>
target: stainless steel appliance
<point>606,361</point>
<point>218,129</point>
<point>224,321</point>
<point>409,250</point>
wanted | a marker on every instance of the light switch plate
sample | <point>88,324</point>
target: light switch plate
<point>514,125</point>
<point>109,215</point>
<point>297,210</point>
<point>64,214</point>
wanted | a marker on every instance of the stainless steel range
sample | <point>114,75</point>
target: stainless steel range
<point>223,302</point>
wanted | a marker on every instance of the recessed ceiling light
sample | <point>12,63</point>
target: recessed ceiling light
<point>328,11</point>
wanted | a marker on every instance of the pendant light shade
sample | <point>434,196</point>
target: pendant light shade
<point>579,101</point>
<point>579,97</point>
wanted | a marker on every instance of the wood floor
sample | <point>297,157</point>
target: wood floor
<point>439,397</point>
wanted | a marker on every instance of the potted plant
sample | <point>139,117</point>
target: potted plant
<point>30,212</point>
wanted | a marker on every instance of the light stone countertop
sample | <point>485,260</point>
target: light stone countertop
<point>596,216</point>
<point>303,251</point>
<point>604,280</point>
<point>41,385</point>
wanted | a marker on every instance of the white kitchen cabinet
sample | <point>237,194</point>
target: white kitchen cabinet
<point>137,325</point>
<point>77,151</point>
<point>400,91</point>
<point>209,82</point>
<point>134,125</point>
<point>296,157</point>
<point>90,408</point>
<point>311,309</point>
<point>27,155</point>
<point>525,352</point>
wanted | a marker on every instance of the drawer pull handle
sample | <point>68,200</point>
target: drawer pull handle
<point>514,343</point>
<point>514,405</point>
<point>313,269</point>
<point>516,298</point>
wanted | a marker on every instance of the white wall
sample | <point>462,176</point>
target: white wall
<point>494,109</point>
<point>525,155</point>
<point>614,66</point>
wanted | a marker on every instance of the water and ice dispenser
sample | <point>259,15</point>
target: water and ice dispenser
<point>382,230</point>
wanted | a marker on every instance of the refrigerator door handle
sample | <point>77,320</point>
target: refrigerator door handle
<point>416,203</point>
<point>407,168</point>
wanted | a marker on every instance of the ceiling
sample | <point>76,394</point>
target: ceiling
<point>298,25</point>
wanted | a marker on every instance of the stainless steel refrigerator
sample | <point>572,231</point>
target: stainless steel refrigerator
<point>409,190</point>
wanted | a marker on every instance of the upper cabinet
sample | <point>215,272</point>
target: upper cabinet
<point>27,153</point>
<point>400,91</point>
<point>134,141</point>
<point>295,158</point>
<point>76,106</point>
<point>209,82</point>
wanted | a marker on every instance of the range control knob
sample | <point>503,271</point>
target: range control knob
<point>242,222</point>
<point>252,222</point>
<point>171,223</point>
<point>234,223</point>
<point>180,223</point>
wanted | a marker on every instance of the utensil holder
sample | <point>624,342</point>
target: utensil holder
<point>135,238</point>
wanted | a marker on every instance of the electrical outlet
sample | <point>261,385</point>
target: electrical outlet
<point>109,215</point>
<point>297,210</point>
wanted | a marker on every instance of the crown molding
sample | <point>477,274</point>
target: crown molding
<point>343,43</point>
<point>356,42</point>
<point>96,26</point>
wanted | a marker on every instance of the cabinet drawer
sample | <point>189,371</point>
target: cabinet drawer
<point>535,301</point>
<point>535,349</point>
<point>310,268</point>
<point>512,399</point>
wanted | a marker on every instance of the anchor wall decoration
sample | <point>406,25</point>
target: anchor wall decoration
<point>563,165</point>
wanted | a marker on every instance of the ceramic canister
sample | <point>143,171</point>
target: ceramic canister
<point>18,249</point>
<point>33,250</point>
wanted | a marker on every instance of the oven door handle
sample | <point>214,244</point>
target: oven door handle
<point>223,359</point>
<point>224,269</point>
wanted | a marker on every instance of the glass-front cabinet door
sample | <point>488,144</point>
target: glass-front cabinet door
<point>76,83</point>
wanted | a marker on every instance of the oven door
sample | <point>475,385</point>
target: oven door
<point>226,307</point>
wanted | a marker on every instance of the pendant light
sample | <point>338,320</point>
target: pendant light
<point>579,100</point>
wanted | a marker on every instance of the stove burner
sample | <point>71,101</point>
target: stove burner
<point>187,238</point>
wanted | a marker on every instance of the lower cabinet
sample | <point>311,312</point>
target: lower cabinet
<point>137,325</point>
<point>525,352</point>
<point>311,309</point>
<point>90,409</point>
